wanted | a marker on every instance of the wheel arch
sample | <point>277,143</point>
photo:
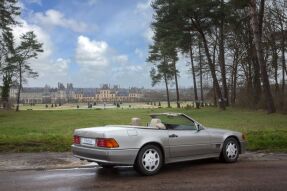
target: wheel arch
<point>155,144</point>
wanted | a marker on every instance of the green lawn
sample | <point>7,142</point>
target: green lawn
<point>37,131</point>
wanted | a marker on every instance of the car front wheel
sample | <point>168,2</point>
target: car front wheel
<point>230,150</point>
<point>149,160</point>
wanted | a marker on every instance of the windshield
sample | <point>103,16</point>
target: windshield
<point>178,122</point>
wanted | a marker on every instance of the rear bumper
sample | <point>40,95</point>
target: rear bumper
<point>243,145</point>
<point>105,156</point>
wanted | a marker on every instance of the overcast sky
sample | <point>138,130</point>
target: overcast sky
<point>91,42</point>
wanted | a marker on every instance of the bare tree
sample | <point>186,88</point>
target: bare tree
<point>257,37</point>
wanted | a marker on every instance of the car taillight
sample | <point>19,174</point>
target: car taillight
<point>107,142</point>
<point>76,139</point>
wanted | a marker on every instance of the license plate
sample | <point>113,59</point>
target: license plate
<point>88,141</point>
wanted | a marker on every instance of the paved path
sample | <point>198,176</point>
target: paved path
<point>196,175</point>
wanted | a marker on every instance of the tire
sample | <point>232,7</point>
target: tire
<point>230,150</point>
<point>149,160</point>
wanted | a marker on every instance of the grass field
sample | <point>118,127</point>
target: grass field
<point>35,131</point>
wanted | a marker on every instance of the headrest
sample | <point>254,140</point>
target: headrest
<point>160,126</point>
<point>156,123</point>
<point>136,121</point>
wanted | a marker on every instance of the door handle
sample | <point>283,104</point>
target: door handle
<point>173,136</point>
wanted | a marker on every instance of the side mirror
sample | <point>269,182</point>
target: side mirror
<point>198,127</point>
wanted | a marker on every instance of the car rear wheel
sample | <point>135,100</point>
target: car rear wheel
<point>149,160</point>
<point>230,150</point>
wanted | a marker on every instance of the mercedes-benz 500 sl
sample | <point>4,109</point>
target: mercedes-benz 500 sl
<point>168,138</point>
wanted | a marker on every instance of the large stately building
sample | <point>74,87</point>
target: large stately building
<point>115,94</point>
<point>62,94</point>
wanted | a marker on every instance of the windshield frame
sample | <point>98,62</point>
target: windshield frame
<point>198,125</point>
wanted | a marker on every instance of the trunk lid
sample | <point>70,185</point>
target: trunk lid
<point>100,132</point>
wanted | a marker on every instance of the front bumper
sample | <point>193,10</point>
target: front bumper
<point>105,156</point>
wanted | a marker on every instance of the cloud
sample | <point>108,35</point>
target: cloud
<point>53,18</point>
<point>92,2</point>
<point>131,75</point>
<point>121,59</point>
<point>148,35</point>
<point>144,7</point>
<point>144,10</point>
<point>74,53</point>
<point>139,53</point>
<point>21,5</point>
<point>99,63</point>
<point>62,65</point>
<point>93,58</point>
<point>90,52</point>
<point>93,53</point>
<point>50,70</point>
<point>131,22</point>
<point>127,68</point>
<point>42,36</point>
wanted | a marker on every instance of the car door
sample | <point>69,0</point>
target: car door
<point>186,143</point>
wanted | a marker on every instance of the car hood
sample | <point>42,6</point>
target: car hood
<point>216,131</point>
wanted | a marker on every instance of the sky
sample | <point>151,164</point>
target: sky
<point>92,42</point>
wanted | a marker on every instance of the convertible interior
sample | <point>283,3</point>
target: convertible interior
<point>173,123</point>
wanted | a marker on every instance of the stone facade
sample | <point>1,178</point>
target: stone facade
<point>69,94</point>
<point>107,94</point>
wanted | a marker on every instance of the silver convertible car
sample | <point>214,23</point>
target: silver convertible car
<point>168,138</point>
